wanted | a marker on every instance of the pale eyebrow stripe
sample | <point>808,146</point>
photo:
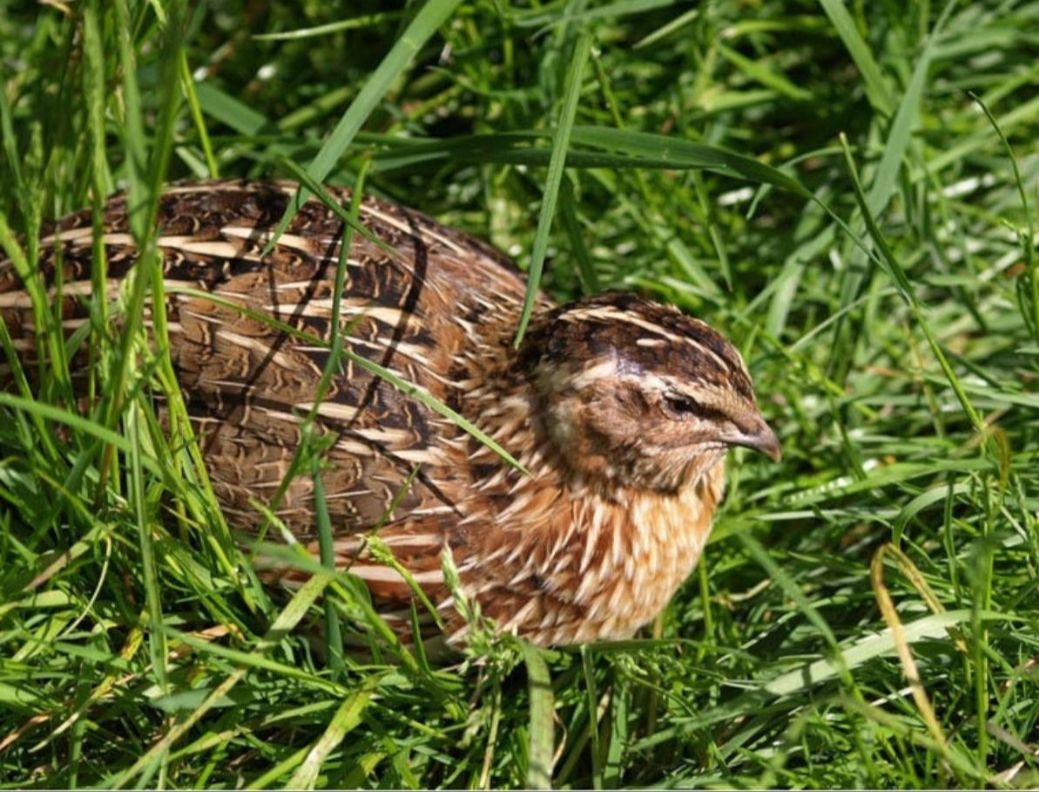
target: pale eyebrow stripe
<point>609,313</point>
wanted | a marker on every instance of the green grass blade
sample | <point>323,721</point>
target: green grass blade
<point>572,226</point>
<point>601,147</point>
<point>366,20</point>
<point>933,627</point>
<point>560,144</point>
<point>191,94</point>
<point>901,280</point>
<point>334,632</point>
<point>49,412</point>
<point>228,110</point>
<point>766,76</point>
<point>687,154</point>
<point>1029,236</point>
<point>900,135</point>
<point>541,721</point>
<point>345,720</point>
<point>150,581</point>
<point>421,28</point>
<point>876,88</point>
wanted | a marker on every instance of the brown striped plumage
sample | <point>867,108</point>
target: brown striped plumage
<point>621,408</point>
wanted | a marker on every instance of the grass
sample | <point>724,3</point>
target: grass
<point>847,189</point>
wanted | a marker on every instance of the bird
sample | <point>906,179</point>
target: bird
<point>619,409</point>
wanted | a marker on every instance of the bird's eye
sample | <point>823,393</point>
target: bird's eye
<point>682,405</point>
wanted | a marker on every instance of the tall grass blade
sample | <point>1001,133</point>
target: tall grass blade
<point>541,753</point>
<point>560,144</point>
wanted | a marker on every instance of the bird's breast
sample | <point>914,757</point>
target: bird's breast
<point>653,542</point>
<point>562,564</point>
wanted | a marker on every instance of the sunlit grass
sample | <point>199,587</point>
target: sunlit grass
<point>866,613</point>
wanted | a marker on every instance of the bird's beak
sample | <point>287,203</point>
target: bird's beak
<point>760,438</point>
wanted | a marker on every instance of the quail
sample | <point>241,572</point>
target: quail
<point>619,409</point>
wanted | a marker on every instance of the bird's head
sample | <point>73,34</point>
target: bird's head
<point>635,393</point>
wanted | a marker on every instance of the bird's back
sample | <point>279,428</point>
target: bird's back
<point>250,333</point>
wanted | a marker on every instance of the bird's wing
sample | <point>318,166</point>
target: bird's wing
<point>250,337</point>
